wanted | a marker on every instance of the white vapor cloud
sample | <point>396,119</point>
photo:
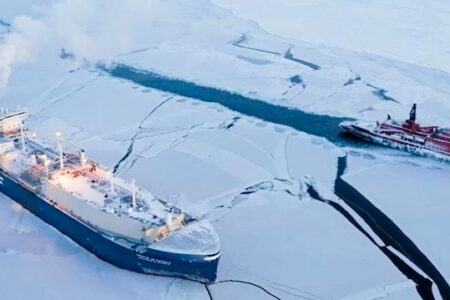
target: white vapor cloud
<point>101,29</point>
<point>19,44</point>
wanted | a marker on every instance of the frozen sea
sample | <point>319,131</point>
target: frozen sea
<point>231,108</point>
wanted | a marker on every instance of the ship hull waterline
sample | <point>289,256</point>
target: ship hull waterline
<point>394,143</point>
<point>107,248</point>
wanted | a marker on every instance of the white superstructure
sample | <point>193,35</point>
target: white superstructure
<point>11,121</point>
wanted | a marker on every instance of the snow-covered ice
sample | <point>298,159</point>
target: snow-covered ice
<point>222,161</point>
<point>386,28</point>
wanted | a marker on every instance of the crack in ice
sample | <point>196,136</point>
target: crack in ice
<point>136,135</point>
<point>391,234</point>
<point>252,284</point>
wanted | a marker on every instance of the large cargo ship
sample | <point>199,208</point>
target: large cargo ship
<point>408,135</point>
<point>107,215</point>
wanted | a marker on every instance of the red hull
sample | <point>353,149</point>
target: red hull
<point>408,135</point>
<point>431,138</point>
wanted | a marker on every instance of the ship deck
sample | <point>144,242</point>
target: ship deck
<point>38,165</point>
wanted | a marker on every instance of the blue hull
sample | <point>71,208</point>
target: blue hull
<point>116,251</point>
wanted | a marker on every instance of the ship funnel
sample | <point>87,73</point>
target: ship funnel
<point>22,138</point>
<point>412,113</point>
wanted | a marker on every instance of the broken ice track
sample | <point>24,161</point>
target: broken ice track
<point>388,232</point>
<point>324,126</point>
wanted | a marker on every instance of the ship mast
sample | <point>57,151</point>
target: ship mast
<point>46,163</point>
<point>111,182</point>
<point>61,161</point>
<point>22,138</point>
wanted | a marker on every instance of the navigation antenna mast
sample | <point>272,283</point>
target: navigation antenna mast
<point>111,182</point>
<point>61,161</point>
<point>46,163</point>
<point>22,137</point>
